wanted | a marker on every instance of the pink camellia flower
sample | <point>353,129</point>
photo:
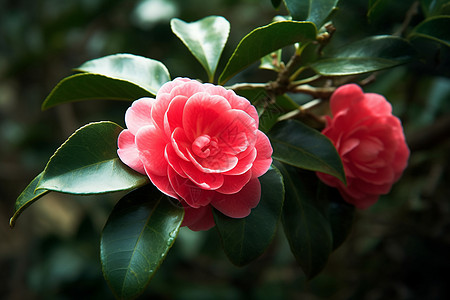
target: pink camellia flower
<point>198,143</point>
<point>371,144</point>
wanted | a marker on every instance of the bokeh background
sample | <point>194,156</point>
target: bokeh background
<point>398,249</point>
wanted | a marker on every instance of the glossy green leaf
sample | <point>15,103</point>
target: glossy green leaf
<point>265,40</point>
<point>205,39</point>
<point>435,28</point>
<point>147,73</point>
<point>137,236</point>
<point>88,86</point>
<point>339,213</point>
<point>316,11</point>
<point>246,239</point>
<point>26,198</point>
<point>299,145</point>
<point>307,230</point>
<point>367,55</point>
<point>87,163</point>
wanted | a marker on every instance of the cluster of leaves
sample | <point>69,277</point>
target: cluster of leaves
<point>145,223</point>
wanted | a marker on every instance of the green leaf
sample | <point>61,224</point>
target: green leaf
<point>276,3</point>
<point>339,213</point>
<point>88,86</point>
<point>367,55</point>
<point>205,39</point>
<point>316,11</point>
<point>435,28</point>
<point>376,9</point>
<point>265,40</point>
<point>26,198</point>
<point>299,145</point>
<point>271,61</point>
<point>435,7</point>
<point>148,73</point>
<point>87,163</point>
<point>246,239</point>
<point>307,230</point>
<point>137,236</point>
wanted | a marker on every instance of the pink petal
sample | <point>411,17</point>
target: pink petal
<point>200,112</point>
<point>162,183</point>
<point>189,191</point>
<point>208,181</point>
<point>219,163</point>
<point>245,162</point>
<point>174,114</point>
<point>263,159</point>
<point>128,152</point>
<point>151,144</point>
<point>235,130</point>
<point>168,86</point>
<point>180,143</point>
<point>239,205</point>
<point>377,104</point>
<point>198,218</point>
<point>139,114</point>
<point>173,159</point>
<point>234,183</point>
<point>344,97</point>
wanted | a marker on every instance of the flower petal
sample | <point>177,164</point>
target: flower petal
<point>198,218</point>
<point>194,195</point>
<point>162,183</point>
<point>200,112</point>
<point>239,205</point>
<point>344,96</point>
<point>208,181</point>
<point>151,143</point>
<point>128,152</point>
<point>139,114</point>
<point>234,183</point>
<point>263,158</point>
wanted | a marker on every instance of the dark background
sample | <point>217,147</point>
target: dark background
<point>398,249</point>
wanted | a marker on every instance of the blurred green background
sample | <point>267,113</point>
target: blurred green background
<point>398,249</point>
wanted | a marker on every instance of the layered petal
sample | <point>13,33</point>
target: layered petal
<point>139,114</point>
<point>239,205</point>
<point>128,152</point>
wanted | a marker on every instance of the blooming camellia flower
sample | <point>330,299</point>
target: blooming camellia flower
<point>370,142</point>
<point>198,143</point>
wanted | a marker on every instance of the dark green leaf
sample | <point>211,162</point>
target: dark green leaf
<point>316,11</point>
<point>435,28</point>
<point>276,3</point>
<point>377,8</point>
<point>246,239</point>
<point>137,236</point>
<point>265,40</point>
<point>299,145</point>
<point>306,228</point>
<point>26,198</point>
<point>147,73</point>
<point>367,55</point>
<point>88,86</point>
<point>435,7</point>
<point>87,163</point>
<point>339,213</point>
<point>205,39</point>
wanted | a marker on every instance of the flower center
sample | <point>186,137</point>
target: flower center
<point>205,146</point>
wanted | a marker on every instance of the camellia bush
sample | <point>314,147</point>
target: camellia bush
<point>243,157</point>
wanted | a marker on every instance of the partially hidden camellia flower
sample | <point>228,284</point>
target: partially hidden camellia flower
<point>198,143</point>
<point>370,142</point>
